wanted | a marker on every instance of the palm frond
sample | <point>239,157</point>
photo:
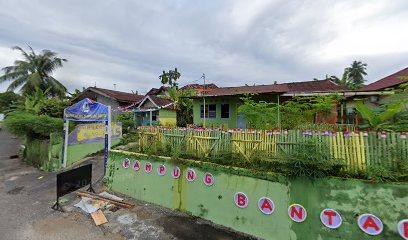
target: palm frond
<point>17,83</point>
<point>35,71</point>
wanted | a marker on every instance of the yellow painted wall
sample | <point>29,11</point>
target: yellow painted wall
<point>168,117</point>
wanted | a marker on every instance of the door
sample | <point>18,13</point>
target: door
<point>241,122</point>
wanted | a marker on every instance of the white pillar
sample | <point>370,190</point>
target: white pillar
<point>65,146</point>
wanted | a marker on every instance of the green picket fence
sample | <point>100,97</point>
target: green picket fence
<point>356,150</point>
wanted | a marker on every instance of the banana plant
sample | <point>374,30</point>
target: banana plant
<point>34,102</point>
<point>376,117</point>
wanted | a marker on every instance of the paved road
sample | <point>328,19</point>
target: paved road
<point>26,195</point>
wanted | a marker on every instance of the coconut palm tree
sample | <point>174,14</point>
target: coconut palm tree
<point>356,73</point>
<point>35,71</point>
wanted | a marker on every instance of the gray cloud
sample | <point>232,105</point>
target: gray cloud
<point>129,43</point>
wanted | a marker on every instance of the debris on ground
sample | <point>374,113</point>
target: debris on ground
<point>106,199</point>
<point>99,218</point>
<point>40,177</point>
<point>110,196</point>
<point>88,205</point>
<point>93,204</point>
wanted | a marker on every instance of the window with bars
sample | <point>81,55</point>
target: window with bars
<point>210,111</point>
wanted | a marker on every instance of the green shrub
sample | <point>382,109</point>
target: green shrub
<point>128,124</point>
<point>53,108</point>
<point>8,100</point>
<point>378,173</point>
<point>309,158</point>
<point>29,125</point>
<point>128,138</point>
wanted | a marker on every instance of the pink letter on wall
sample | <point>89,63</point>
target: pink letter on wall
<point>370,224</point>
<point>148,167</point>
<point>161,170</point>
<point>403,228</point>
<point>331,218</point>
<point>190,175</point>
<point>297,213</point>
<point>208,179</point>
<point>136,165</point>
<point>266,205</point>
<point>241,200</point>
<point>175,173</point>
<point>126,163</point>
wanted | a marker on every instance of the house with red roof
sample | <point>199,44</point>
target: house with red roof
<point>391,81</point>
<point>113,98</point>
<point>153,110</point>
<point>221,104</point>
<point>373,95</point>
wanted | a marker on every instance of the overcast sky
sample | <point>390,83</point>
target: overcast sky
<point>234,42</point>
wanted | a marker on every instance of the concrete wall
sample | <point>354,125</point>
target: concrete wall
<point>109,102</point>
<point>216,203</point>
<point>77,152</point>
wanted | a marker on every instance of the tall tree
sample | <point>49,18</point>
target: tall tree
<point>35,70</point>
<point>356,73</point>
<point>353,76</point>
<point>170,77</point>
<point>8,99</point>
<point>344,79</point>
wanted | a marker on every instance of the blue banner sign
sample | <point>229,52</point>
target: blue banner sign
<point>87,111</point>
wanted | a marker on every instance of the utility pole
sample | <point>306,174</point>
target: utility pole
<point>204,98</point>
<point>279,120</point>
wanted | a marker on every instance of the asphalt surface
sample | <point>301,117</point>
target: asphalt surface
<point>27,194</point>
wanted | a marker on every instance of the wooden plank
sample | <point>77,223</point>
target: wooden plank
<point>99,218</point>
<point>205,137</point>
<point>246,141</point>
<point>97,197</point>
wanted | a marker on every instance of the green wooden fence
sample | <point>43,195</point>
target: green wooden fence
<point>358,150</point>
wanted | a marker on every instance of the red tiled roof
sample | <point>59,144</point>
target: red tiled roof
<point>387,82</point>
<point>119,96</point>
<point>199,86</point>
<point>315,86</point>
<point>295,87</point>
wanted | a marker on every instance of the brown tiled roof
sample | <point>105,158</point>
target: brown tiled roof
<point>160,102</point>
<point>198,86</point>
<point>119,96</point>
<point>315,86</point>
<point>155,91</point>
<point>295,87</point>
<point>387,82</point>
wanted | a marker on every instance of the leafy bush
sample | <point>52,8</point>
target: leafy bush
<point>8,99</point>
<point>378,173</point>
<point>32,126</point>
<point>128,138</point>
<point>53,108</point>
<point>292,113</point>
<point>128,124</point>
<point>311,159</point>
